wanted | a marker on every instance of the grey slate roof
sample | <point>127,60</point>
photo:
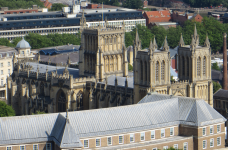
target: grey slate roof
<point>154,111</point>
<point>221,94</point>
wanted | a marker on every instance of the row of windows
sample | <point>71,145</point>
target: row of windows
<point>211,142</point>
<point>35,147</point>
<point>211,129</point>
<point>3,65</point>
<point>39,31</point>
<point>32,17</point>
<point>175,146</point>
<point>132,138</point>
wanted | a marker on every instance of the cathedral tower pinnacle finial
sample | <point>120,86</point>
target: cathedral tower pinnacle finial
<point>136,36</point>
<point>195,32</point>
<point>166,46</point>
<point>181,43</point>
<point>151,47</point>
<point>207,42</point>
<point>155,43</point>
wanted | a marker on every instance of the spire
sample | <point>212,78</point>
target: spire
<point>193,43</point>
<point>155,43</point>
<point>56,72</point>
<point>166,46</point>
<point>83,19</point>
<point>195,32</point>
<point>47,69</point>
<point>181,43</point>
<point>207,42</point>
<point>136,36</point>
<point>106,22</point>
<point>151,44</point>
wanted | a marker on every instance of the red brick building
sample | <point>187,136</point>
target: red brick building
<point>157,16</point>
<point>181,17</point>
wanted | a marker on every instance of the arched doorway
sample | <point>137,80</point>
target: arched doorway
<point>61,101</point>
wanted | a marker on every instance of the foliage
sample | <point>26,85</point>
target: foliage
<point>171,79</point>
<point>134,4</point>
<point>173,36</point>
<point>209,26</point>
<point>204,3</point>
<point>147,9</point>
<point>38,113</point>
<point>16,4</point>
<point>5,42</point>
<point>130,67</point>
<point>144,34</point>
<point>57,7</point>
<point>37,41</point>
<point>159,33</point>
<point>6,110</point>
<point>107,2</point>
<point>215,66</point>
<point>216,86</point>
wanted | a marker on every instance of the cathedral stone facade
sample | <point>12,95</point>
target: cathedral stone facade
<point>102,79</point>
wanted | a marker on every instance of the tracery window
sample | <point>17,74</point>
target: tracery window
<point>163,70</point>
<point>188,67</point>
<point>145,71</point>
<point>198,66</point>
<point>141,70</point>
<point>157,69</point>
<point>61,98</point>
<point>204,66</point>
<point>183,66</point>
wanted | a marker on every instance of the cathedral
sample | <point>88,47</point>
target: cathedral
<point>102,79</point>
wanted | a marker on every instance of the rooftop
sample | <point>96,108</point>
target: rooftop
<point>153,111</point>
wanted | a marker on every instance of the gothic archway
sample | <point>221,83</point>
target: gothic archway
<point>61,101</point>
<point>79,100</point>
<point>42,88</point>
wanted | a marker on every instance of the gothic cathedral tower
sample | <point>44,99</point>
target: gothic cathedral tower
<point>151,69</point>
<point>195,66</point>
<point>102,52</point>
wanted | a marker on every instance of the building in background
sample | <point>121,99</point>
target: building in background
<point>181,17</point>
<point>157,16</point>
<point>66,21</point>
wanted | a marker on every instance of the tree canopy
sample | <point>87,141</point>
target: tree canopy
<point>6,110</point>
<point>215,66</point>
<point>204,3</point>
<point>134,4</point>
<point>57,7</point>
<point>16,4</point>
<point>107,2</point>
<point>37,41</point>
<point>216,86</point>
<point>209,26</point>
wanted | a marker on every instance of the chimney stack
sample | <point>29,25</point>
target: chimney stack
<point>224,62</point>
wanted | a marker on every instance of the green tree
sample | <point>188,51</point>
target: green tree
<point>57,7</point>
<point>160,34</point>
<point>5,42</point>
<point>134,4</point>
<point>216,86</point>
<point>171,79</point>
<point>173,36</point>
<point>15,41</point>
<point>215,66</point>
<point>130,67</point>
<point>17,4</point>
<point>38,112</point>
<point>6,110</point>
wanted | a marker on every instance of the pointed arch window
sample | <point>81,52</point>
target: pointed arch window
<point>188,66</point>
<point>157,69</point>
<point>204,66</point>
<point>145,71</point>
<point>198,66</point>
<point>183,66</point>
<point>163,70</point>
<point>141,70</point>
